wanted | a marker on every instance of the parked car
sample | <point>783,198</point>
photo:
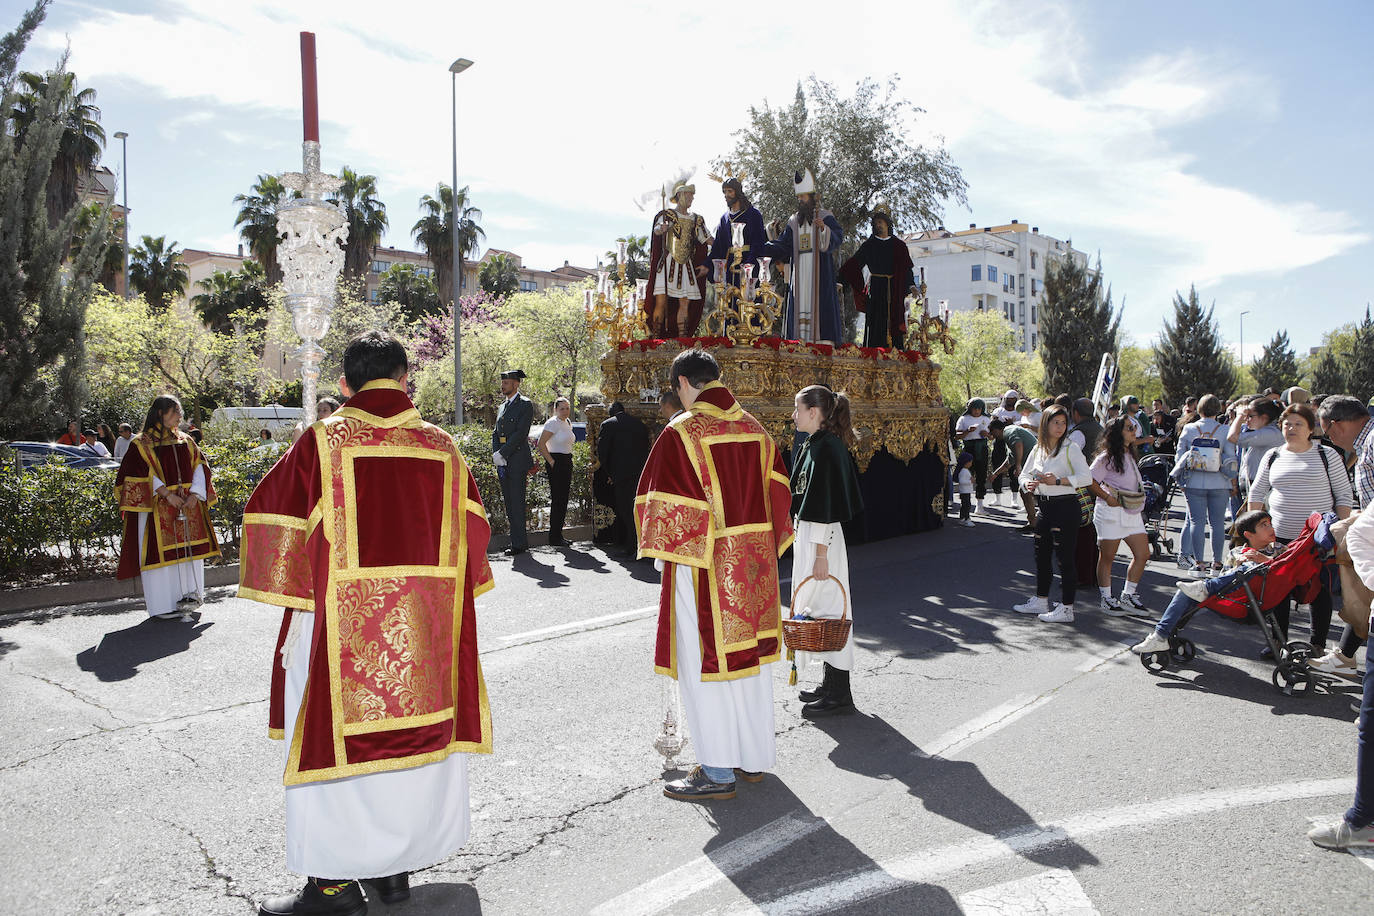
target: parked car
<point>273,417</point>
<point>29,454</point>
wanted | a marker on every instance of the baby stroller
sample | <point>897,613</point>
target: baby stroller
<point>1159,495</point>
<point>1296,571</point>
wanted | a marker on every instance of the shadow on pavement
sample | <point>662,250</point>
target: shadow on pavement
<point>6,647</point>
<point>544,574</point>
<point>820,857</point>
<point>443,897</point>
<point>119,654</point>
<point>584,558</point>
<point>953,789</point>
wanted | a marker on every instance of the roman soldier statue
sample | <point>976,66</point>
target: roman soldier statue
<point>677,265</point>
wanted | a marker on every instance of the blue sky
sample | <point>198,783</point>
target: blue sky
<point>1214,143</point>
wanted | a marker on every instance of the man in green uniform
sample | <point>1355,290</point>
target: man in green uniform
<point>1019,442</point>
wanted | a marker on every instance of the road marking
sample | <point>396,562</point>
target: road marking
<point>1052,893</point>
<point>704,871</point>
<point>984,726</point>
<point>577,626</point>
<point>930,864</point>
<point>1364,855</point>
<point>1092,662</point>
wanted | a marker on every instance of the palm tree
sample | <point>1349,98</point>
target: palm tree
<point>357,197</point>
<point>499,276</point>
<point>434,236</point>
<point>233,297</point>
<point>257,222</point>
<point>636,257</point>
<point>112,264</point>
<point>413,291</point>
<point>156,271</point>
<point>83,138</point>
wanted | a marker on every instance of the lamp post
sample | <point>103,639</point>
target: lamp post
<point>455,68</point>
<point>1242,337</point>
<point>123,138</point>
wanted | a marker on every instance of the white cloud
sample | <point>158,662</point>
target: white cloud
<point>587,105</point>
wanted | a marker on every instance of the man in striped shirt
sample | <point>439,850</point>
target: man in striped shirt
<point>1347,423</point>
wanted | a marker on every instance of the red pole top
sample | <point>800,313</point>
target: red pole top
<point>310,88</point>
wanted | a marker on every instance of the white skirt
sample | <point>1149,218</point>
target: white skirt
<point>374,825</point>
<point>1114,523</point>
<point>823,599</point>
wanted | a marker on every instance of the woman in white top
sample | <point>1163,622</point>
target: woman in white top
<point>556,444</point>
<point>1054,471</point>
<point>1298,478</point>
<point>972,432</point>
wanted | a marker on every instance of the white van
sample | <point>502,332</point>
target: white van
<point>273,417</point>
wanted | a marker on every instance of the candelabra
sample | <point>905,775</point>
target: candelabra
<point>747,309</point>
<point>925,329</point>
<point>614,307</point>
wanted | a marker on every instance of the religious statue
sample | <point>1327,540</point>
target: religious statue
<point>808,242</point>
<point>738,212</point>
<point>882,299</point>
<point>677,267</point>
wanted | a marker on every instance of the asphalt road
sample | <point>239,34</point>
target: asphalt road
<point>996,764</point>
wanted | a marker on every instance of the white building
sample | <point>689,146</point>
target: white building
<point>995,268</point>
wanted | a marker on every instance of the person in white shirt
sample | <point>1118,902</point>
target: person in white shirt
<point>92,442</point>
<point>972,432</point>
<point>1054,473</point>
<point>556,445</point>
<point>126,435</point>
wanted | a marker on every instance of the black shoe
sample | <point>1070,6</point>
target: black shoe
<point>826,685</point>
<point>319,897</point>
<point>811,696</point>
<point>514,551</point>
<point>830,705</point>
<point>749,775</point>
<point>697,786</point>
<point>393,888</point>
<point>559,542</point>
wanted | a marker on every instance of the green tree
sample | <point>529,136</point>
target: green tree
<point>1136,373</point>
<point>499,276</point>
<point>42,300</point>
<point>1077,325</point>
<point>367,221</point>
<point>257,222</point>
<point>985,358</point>
<point>1359,368</point>
<point>433,233</point>
<point>552,330</point>
<point>82,141</point>
<point>233,299</point>
<point>1277,366</point>
<point>412,291</point>
<point>88,218</point>
<point>1192,361</point>
<point>636,257</point>
<point>156,271</point>
<point>1328,373</point>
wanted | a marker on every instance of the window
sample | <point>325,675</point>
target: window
<point>374,295</point>
<point>463,283</point>
<point>528,286</point>
<point>977,272</point>
<point>425,271</point>
<point>1035,340</point>
<point>1032,260</point>
<point>1034,287</point>
<point>1011,282</point>
<point>380,266</point>
<point>992,274</point>
<point>1022,313</point>
<point>1035,313</point>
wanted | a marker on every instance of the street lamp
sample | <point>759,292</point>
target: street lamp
<point>455,68</point>
<point>123,138</point>
<point>1242,337</point>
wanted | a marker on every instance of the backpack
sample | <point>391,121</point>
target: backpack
<point>1205,452</point>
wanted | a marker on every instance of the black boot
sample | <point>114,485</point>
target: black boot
<point>836,700</point>
<point>319,897</point>
<point>811,696</point>
<point>393,888</point>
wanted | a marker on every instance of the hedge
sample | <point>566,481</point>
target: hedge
<point>58,522</point>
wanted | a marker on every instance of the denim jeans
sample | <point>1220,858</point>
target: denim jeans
<point>1180,603</point>
<point>1361,814</point>
<point>719,775</point>
<point>1205,507</point>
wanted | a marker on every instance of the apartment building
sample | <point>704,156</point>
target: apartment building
<point>531,279</point>
<point>992,268</point>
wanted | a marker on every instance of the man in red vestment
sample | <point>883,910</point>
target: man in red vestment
<point>371,532</point>
<point>713,508</point>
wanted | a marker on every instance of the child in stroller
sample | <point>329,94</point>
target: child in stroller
<point>1253,542</point>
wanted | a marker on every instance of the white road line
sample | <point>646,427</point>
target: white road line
<point>590,623</point>
<point>931,864</point>
<point>1095,661</point>
<point>986,725</point>
<point>1052,893</point>
<point>1364,855</point>
<point>702,872</point>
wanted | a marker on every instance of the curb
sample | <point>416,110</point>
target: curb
<point>39,597</point>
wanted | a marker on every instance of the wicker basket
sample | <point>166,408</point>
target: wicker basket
<point>829,634</point>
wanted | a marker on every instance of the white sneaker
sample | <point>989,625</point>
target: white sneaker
<point>1131,602</point>
<point>1036,605</point>
<point>981,510</point>
<point>1113,607</point>
<point>967,522</point>
<point>1062,613</point>
<point>1333,662</point>
<point>1194,589</point>
<point>1152,643</point>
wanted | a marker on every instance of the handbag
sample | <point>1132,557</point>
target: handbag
<point>1086,500</point>
<point>1205,452</point>
<point>1132,500</point>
